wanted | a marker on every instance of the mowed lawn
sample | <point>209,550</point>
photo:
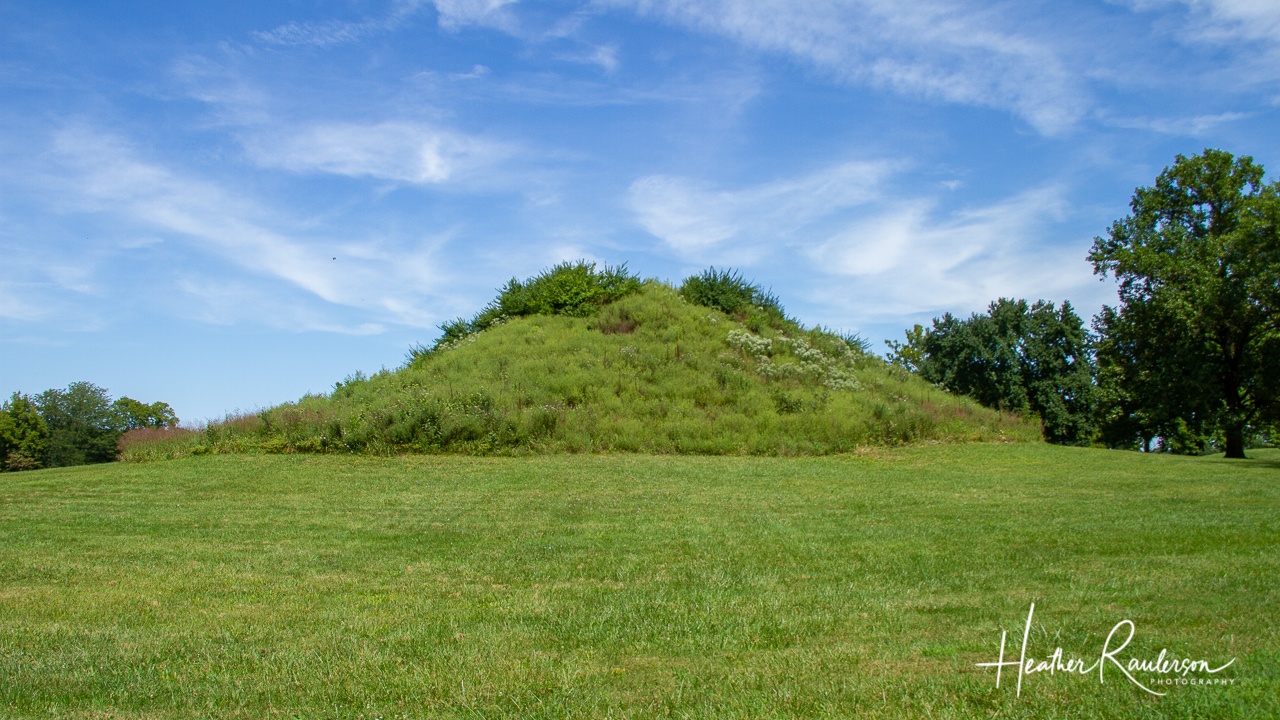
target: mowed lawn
<point>635,586</point>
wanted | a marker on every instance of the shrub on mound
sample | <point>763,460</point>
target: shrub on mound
<point>575,289</point>
<point>730,293</point>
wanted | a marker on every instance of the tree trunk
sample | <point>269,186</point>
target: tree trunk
<point>1235,422</point>
<point>1235,441</point>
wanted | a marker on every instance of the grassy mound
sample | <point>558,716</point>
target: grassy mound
<point>638,368</point>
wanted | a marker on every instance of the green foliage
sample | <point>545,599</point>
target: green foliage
<point>24,436</point>
<point>1015,357</point>
<point>649,372</point>
<point>1192,355</point>
<point>75,426</point>
<point>83,426</point>
<point>910,354</point>
<point>132,414</point>
<point>730,293</point>
<point>853,340</point>
<point>572,289</point>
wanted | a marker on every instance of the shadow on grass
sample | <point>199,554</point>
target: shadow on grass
<point>1255,458</point>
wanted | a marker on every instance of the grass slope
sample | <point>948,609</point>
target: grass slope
<point>633,586</point>
<point>649,372</point>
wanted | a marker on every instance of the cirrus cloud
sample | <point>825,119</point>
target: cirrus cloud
<point>953,52</point>
<point>401,151</point>
<point>846,224</point>
<point>105,175</point>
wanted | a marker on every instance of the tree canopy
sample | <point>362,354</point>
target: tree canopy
<point>1016,357</point>
<point>132,414</point>
<point>82,427</point>
<point>1193,350</point>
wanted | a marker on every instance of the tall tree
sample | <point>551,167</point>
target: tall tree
<point>1194,347</point>
<point>1017,357</point>
<point>83,426</point>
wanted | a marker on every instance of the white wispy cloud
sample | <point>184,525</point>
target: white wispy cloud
<point>400,151</point>
<point>16,305</point>
<point>604,56</point>
<point>227,301</point>
<point>1234,19</point>
<point>950,51</point>
<point>220,86</point>
<point>104,174</point>
<point>1190,126</point>
<point>450,14</point>
<point>454,14</point>
<point>319,34</point>
<point>387,148</point>
<point>1244,36</point>
<point>324,33</point>
<point>912,258</point>
<point>849,228</point>
<point>695,217</point>
<point>41,278</point>
<point>477,72</point>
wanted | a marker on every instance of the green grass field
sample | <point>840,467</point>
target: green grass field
<point>598,586</point>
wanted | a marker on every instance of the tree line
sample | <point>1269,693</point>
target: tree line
<point>1187,362</point>
<point>77,425</point>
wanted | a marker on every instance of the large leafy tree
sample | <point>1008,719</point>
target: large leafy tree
<point>133,414</point>
<point>83,425</point>
<point>1017,357</point>
<point>1193,350</point>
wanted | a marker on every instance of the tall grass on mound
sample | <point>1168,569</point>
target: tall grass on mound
<point>649,372</point>
<point>729,292</point>
<point>574,289</point>
<point>732,294</point>
<point>155,443</point>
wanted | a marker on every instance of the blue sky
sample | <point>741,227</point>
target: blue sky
<point>228,205</point>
